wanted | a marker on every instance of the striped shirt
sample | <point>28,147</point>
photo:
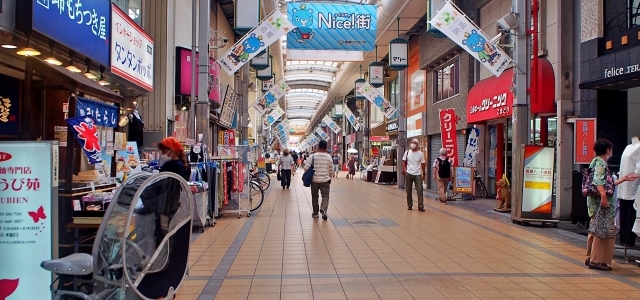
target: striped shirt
<point>323,166</point>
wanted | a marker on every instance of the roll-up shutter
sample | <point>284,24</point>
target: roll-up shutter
<point>435,143</point>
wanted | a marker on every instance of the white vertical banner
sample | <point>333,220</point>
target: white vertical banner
<point>352,119</point>
<point>373,95</point>
<point>270,98</point>
<point>334,127</point>
<point>269,31</point>
<point>322,134</point>
<point>460,29</point>
<point>274,115</point>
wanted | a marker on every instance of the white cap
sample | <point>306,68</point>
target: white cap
<point>415,141</point>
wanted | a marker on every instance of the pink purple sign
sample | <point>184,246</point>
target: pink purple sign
<point>183,78</point>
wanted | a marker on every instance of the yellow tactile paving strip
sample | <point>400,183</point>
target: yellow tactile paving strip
<point>445,253</point>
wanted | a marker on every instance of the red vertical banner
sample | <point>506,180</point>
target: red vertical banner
<point>448,132</point>
<point>584,133</point>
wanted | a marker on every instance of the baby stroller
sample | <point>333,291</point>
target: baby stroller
<point>141,250</point>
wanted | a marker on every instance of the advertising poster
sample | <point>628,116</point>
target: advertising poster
<point>417,90</point>
<point>269,31</point>
<point>28,184</point>
<point>584,136</point>
<point>492,163</point>
<point>274,115</point>
<point>374,96</point>
<point>463,180</point>
<point>320,26</point>
<point>352,119</point>
<point>270,98</point>
<point>332,125</point>
<point>322,134</point>
<point>537,190</point>
<point>455,25</point>
<point>184,76</point>
<point>127,162</point>
<point>414,125</point>
<point>472,148</point>
<point>448,133</point>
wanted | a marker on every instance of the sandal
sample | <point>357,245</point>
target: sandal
<point>587,261</point>
<point>601,267</point>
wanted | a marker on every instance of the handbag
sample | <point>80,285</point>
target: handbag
<point>307,177</point>
<point>278,176</point>
<point>603,224</point>
<point>590,189</point>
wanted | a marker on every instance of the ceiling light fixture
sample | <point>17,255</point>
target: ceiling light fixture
<point>51,59</point>
<point>87,71</point>
<point>8,46</point>
<point>102,81</point>
<point>28,51</point>
<point>71,67</point>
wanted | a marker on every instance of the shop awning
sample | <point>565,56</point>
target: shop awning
<point>491,98</point>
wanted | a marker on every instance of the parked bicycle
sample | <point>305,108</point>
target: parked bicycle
<point>262,178</point>
<point>480,188</point>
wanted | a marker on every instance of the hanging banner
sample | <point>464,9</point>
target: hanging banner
<point>334,127</point>
<point>322,134</point>
<point>537,190</point>
<point>267,85</point>
<point>448,133</point>
<point>374,96</point>
<point>184,62</point>
<point>355,123</point>
<point>269,99</point>
<point>28,189</point>
<point>460,29</point>
<point>269,31</point>
<point>584,136</point>
<point>274,115</point>
<point>320,26</point>
<point>472,148</point>
<point>103,114</point>
<point>85,131</point>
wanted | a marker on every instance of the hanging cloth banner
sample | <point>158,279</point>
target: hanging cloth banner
<point>331,124</point>
<point>274,115</point>
<point>270,98</point>
<point>374,96</point>
<point>460,29</point>
<point>448,133</point>
<point>84,129</point>
<point>322,134</point>
<point>472,148</point>
<point>269,31</point>
<point>103,114</point>
<point>355,123</point>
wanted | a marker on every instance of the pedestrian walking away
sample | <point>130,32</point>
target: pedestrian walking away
<point>442,174</point>
<point>323,165</point>
<point>413,170</point>
<point>284,168</point>
<point>352,166</point>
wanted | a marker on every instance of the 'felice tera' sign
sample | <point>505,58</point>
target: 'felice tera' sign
<point>612,72</point>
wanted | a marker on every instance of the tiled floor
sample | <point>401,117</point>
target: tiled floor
<point>373,248</point>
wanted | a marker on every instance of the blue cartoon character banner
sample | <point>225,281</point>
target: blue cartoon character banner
<point>270,30</point>
<point>85,130</point>
<point>455,25</point>
<point>374,96</point>
<point>320,26</point>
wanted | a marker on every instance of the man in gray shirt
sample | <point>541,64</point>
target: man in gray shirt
<point>323,166</point>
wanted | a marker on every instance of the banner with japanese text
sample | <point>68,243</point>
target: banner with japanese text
<point>460,29</point>
<point>472,148</point>
<point>324,26</point>
<point>269,31</point>
<point>584,136</point>
<point>374,96</point>
<point>102,114</point>
<point>448,133</point>
<point>270,98</point>
<point>274,115</point>
<point>322,134</point>
<point>329,122</point>
<point>84,129</point>
<point>352,119</point>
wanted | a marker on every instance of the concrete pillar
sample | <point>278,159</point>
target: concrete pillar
<point>202,110</point>
<point>401,143</point>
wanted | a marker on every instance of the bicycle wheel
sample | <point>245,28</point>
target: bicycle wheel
<point>264,180</point>
<point>256,194</point>
<point>482,189</point>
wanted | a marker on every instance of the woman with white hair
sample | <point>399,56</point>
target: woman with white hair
<point>442,174</point>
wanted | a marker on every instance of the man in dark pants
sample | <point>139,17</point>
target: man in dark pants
<point>414,170</point>
<point>323,166</point>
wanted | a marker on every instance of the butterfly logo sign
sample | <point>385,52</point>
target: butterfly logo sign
<point>7,287</point>
<point>38,215</point>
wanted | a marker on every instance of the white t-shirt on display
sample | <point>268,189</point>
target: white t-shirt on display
<point>414,160</point>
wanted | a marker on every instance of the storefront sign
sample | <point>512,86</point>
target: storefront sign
<point>537,190</point>
<point>183,77</point>
<point>131,50</point>
<point>584,136</point>
<point>60,135</point>
<point>228,138</point>
<point>322,134</point>
<point>334,127</point>
<point>490,108</point>
<point>613,72</point>
<point>228,109</point>
<point>28,187</point>
<point>355,123</point>
<point>455,25</point>
<point>267,84</point>
<point>448,133</point>
<point>414,125</point>
<point>81,25</point>
<point>472,148</point>
<point>320,26</point>
<point>375,151</point>
<point>9,106</point>
<point>392,126</point>
<point>270,30</point>
<point>374,96</point>
<point>103,114</point>
<point>274,115</point>
<point>262,164</point>
<point>379,138</point>
<point>463,180</point>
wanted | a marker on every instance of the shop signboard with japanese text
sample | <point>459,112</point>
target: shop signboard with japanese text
<point>414,125</point>
<point>184,75</point>
<point>9,106</point>
<point>537,188</point>
<point>490,108</point>
<point>463,180</point>
<point>584,136</point>
<point>270,30</point>
<point>448,133</point>
<point>103,114</point>
<point>455,25</point>
<point>320,26</point>
<point>81,25</point>
<point>131,50</point>
<point>28,189</point>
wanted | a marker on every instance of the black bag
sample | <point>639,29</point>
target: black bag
<point>444,168</point>
<point>307,177</point>
<point>278,176</point>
